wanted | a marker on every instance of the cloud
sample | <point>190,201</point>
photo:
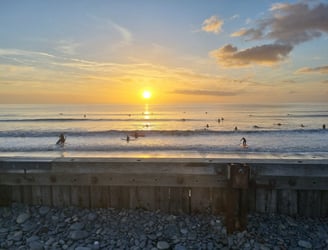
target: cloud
<point>291,23</point>
<point>67,47</point>
<point>19,52</point>
<point>212,24</point>
<point>287,26</point>
<point>204,92</point>
<point>124,33</point>
<point>229,56</point>
<point>320,70</point>
<point>253,34</point>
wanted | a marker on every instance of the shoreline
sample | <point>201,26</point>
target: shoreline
<point>238,156</point>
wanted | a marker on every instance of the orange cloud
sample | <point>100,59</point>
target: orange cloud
<point>212,24</point>
<point>320,70</point>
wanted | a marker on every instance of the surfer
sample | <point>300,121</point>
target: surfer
<point>61,140</point>
<point>243,140</point>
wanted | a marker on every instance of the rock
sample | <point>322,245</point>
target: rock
<point>32,238</point>
<point>163,245</point>
<point>183,230</point>
<point>44,210</point>
<point>83,248</point>
<point>22,218</point>
<point>3,230</point>
<point>171,230</point>
<point>78,235</point>
<point>291,221</point>
<point>77,226</point>
<point>36,245</point>
<point>17,236</point>
<point>305,244</point>
<point>179,247</point>
<point>92,216</point>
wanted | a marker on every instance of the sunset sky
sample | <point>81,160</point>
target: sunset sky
<point>186,51</point>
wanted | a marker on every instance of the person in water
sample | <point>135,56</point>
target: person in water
<point>61,140</point>
<point>243,140</point>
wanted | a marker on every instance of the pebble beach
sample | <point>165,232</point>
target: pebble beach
<point>43,227</point>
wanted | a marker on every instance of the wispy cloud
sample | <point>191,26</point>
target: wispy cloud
<point>68,47</point>
<point>316,70</point>
<point>205,92</point>
<point>125,34</point>
<point>213,24</point>
<point>19,52</point>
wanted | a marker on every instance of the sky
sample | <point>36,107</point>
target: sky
<point>182,51</point>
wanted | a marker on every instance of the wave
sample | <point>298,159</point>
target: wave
<point>141,133</point>
<point>98,120</point>
<point>201,149</point>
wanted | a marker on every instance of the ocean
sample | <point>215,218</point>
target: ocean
<point>197,131</point>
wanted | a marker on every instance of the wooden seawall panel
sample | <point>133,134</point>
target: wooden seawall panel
<point>173,185</point>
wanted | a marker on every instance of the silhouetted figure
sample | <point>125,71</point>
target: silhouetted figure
<point>236,128</point>
<point>127,138</point>
<point>207,126</point>
<point>219,120</point>
<point>61,140</point>
<point>243,140</point>
<point>324,126</point>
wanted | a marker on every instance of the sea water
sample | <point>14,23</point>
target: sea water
<point>207,131</point>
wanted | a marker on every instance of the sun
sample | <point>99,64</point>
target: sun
<point>146,94</point>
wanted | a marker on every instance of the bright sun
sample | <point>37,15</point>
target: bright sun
<point>146,94</point>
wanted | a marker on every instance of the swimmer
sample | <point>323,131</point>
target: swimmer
<point>243,140</point>
<point>61,140</point>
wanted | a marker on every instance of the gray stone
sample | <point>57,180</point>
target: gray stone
<point>44,210</point>
<point>171,230</point>
<point>3,230</point>
<point>92,216</point>
<point>179,247</point>
<point>77,226</point>
<point>22,218</point>
<point>32,238</point>
<point>36,245</point>
<point>304,243</point>
<point>163,245</point>
<point>83,248</point>
<point>291,221</point>
<point>18,235</point>
<point>78,235</point>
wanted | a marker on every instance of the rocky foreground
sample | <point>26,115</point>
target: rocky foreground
<point>41,227</point>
